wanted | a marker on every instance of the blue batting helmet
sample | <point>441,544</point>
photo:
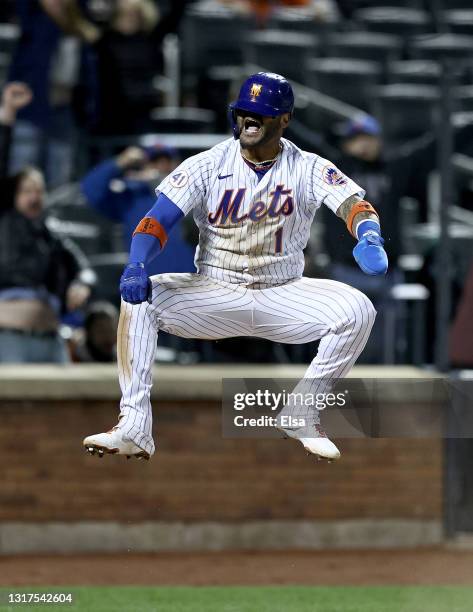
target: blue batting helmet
<point>264,93</point>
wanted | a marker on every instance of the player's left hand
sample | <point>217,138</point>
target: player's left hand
<point>135,285</point>
<point>370,255</point>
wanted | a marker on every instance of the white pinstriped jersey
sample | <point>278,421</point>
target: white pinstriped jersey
<point>252,230</point>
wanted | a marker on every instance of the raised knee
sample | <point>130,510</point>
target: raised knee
<point>368,306</point>
<point>367,314</point>
<point>360,312</point>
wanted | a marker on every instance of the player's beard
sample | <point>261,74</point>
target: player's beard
<point>270,131</point>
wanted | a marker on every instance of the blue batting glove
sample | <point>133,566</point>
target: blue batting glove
<point>135,286</point>
<point>370,255</point>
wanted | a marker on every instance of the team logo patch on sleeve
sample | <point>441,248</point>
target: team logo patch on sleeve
<point>333,176</point>
<point>179,179</point>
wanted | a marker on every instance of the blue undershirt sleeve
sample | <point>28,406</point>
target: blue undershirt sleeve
<point>145,247</point>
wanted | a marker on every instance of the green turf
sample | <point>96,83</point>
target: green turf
<point>255,599</point>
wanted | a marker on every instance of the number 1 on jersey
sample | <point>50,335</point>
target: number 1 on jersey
<point>278,241</point>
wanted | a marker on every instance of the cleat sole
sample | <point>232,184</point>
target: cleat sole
<point>103,450</point>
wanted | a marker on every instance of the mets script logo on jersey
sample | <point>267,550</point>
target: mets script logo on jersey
<point>333,176</point>
<point>255,90</point>
<point>228,211</point>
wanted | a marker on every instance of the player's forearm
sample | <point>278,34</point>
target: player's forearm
<point>363,223</point>
<point>354,210</point>
<point>151,234</point>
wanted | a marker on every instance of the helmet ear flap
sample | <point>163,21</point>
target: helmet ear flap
<point>233,121</point>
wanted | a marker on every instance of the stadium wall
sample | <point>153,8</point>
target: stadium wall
<point>200,491</point>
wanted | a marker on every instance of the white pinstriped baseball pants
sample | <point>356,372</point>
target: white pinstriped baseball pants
<point>196,306</point>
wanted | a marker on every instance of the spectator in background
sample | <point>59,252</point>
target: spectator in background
<point>40,276</point>
<point>128,58</point>
<point>122,189</point>
<point>387,174</point>
<point>362,157</point>
<point>97,341</point>
<point>15,96</point>
<point>48,61</point>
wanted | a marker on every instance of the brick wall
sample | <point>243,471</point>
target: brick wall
<point>198,476</point>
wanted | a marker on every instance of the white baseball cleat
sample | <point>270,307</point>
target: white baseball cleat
<point>320,446</point>
<point>113,443</point>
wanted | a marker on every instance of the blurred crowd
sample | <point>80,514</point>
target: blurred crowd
<point>95,95</point>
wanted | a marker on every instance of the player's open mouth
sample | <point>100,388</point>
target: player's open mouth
<point>251,126</point>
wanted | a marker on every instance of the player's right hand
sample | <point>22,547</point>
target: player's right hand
<point>135,285</point>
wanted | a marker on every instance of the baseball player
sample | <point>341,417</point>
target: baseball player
<point>253,198</point>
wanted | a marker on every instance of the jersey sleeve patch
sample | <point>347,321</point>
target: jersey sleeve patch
<point>332,176</point>
<point>179,179</point>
